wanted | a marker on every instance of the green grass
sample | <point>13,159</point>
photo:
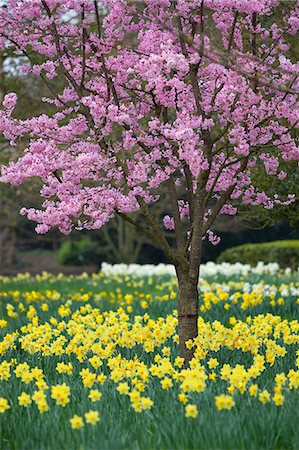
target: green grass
<point>249,425</point>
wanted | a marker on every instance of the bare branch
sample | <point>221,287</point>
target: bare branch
<point>176,213</point>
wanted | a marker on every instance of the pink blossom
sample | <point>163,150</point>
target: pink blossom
<point>9,102</point>
<point>168,223</point>
<point>162,114</point>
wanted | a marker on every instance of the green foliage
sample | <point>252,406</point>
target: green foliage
<point>285,253</point>
<point>258,217</point>
<point>79,252</point>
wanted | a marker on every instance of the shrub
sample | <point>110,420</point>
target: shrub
<point>285,253</point>
<point>78,252</point>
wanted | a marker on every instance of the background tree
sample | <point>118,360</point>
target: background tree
<point>155,102</point>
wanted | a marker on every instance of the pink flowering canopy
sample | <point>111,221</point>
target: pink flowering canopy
<point>181,98</point>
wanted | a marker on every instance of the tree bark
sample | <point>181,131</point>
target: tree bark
<point>187,314</point>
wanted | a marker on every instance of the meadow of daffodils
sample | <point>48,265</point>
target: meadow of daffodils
<point>91,361</point>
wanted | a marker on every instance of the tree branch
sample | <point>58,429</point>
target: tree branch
<point>176,214</point>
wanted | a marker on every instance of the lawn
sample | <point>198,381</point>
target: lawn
<point>91,362</point>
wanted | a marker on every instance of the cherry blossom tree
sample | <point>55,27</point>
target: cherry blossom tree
<point>176,98</point>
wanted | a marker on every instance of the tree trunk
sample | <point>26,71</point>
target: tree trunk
<point>187,315</point>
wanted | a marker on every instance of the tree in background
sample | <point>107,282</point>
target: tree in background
<point>160,98</point>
